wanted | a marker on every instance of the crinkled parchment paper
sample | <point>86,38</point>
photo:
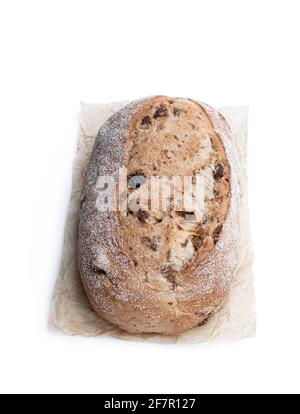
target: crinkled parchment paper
<point>70,311</point>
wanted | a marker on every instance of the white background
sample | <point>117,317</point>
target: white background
<point>56,53</point>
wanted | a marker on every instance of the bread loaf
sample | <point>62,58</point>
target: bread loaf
<point>162,270</point>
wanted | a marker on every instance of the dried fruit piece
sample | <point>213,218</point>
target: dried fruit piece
<point>161,112</point>
<point>168,273</point>
<point>216,233</point>
<point>142,215</point>
<point>219,171</point>
<point>146,121</point>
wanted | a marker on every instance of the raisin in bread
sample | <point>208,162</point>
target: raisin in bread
<point>161,270</point>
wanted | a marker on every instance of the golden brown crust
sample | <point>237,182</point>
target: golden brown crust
<point>141,271</point>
